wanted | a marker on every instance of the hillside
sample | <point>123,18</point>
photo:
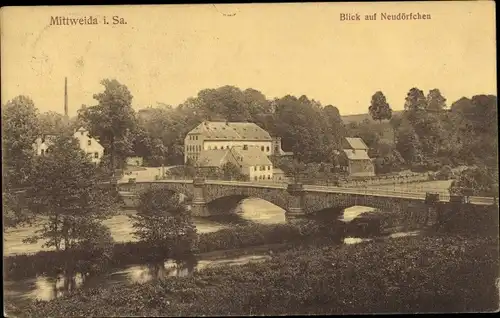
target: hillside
<point>360,117</point>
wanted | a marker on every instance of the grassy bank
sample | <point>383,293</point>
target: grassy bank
<point>421,274</point>
<point>122,254</point>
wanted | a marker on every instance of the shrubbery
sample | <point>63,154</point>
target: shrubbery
<point>406,275</point>
<point>445,173</point>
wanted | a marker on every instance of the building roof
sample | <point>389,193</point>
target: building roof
<point>213,130</point>
<point>356,143</point>
<point>212,158</point>
<point>251,156</point>
<point>356,154</point>
<point>278,171</point>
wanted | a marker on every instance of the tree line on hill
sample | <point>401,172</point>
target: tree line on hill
<point>425,136</point>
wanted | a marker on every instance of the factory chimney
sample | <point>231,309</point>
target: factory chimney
<point>66,97</point>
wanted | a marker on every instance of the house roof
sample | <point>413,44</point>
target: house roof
<point>356,155</point>
<point>212,158</point>
<point>251,156</point>
<point>278,171</point>
<point>356,143</point>
<point>213,130</point>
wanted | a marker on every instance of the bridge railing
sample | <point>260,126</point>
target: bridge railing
<point>444,196</point>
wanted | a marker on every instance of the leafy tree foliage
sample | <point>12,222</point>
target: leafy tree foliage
<point>20,127</point>
<point>52,123</point>
<point>64,190</point>
<point>415,101</point>
<point>435,101</point>
<point>231,172</point>
<point>480,181</point>
<point>164,223</point>
<point>379,108</point>
<point>112,120</point>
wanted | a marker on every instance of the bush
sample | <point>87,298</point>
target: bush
<point>445,173</point>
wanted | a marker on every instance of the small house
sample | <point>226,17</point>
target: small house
<point>354,159</point>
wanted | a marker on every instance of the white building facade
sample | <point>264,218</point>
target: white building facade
<point>225,135</point>
<point>90,145</point>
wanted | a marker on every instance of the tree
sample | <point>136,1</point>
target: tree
<point>388,160</point>
<point>52,122</point>
<point>231,172</point>
<point>408,144</point>
<point>112,120</point>
<point>20,128</point>
<point>164,223</point>
<point>435,101</point>
<point>14,214</point>
<point>415,105</point>
<point>479,181</point>
<point>65,191</point>
<point>379,108</point>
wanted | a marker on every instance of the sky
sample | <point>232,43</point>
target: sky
<point>166,54</point>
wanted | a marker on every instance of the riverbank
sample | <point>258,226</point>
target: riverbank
<point>53,263</point>
<point>410,274</point>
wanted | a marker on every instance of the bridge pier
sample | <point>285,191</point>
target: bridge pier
<point>199,206</point>
<point>295,208</point>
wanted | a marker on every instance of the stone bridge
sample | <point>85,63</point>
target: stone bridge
<point>209,197</point>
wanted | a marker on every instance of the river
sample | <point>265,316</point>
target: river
<point>47,288</point>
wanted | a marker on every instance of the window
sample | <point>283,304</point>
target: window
<point>245,147</point>
<point>81,132</point>
<point>268,167</point>
<point>227,147</point>
<point>42,152</point>
<point>268,177</point>
<point>262,148</point>
<point>260,177</point>
<point>89,142</point>
<point>215,147</point>
<point>255,178</point>
<point>255,168</point>
<point>96,155</point>
<point>267,148</point>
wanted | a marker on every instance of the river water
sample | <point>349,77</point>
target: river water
<point>47,288</point>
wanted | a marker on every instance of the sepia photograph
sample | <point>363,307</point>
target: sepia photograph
<point>250,159</point>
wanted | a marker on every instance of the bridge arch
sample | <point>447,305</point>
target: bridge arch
<point>227,204</point>
<point>216,196</point>
<point>316,202</point>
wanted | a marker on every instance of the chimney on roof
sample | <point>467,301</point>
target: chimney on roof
<point>66,97</point>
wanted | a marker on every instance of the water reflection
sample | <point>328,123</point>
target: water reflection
<point>48,288</point>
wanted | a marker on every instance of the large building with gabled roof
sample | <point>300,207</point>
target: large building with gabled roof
<point>211,135</point>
